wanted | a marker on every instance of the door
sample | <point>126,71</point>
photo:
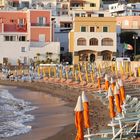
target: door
<point>42,38</point>
<point>92,57</point>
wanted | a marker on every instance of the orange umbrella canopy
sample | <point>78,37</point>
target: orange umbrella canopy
<point>119,93</point>
<point>117,99</point>
<point>86,110</point>
<point>79,119</point>
<point>122,90</point>
<point>111,103</point>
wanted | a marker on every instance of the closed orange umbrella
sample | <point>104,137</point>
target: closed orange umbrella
<point>79,119</point>
<point>99,81</point>
<point>106,82</point>
<point>86,110</point>
<point>111,103</point>
<point>117,99</point>
<point>122,90</point>
<point>112,84</point>
<point>111,108</point>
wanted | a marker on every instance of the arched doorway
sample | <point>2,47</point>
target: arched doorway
<point>84,57</point>
<point>106,55</point>
<point>87,55</point>
<point>92,57</point>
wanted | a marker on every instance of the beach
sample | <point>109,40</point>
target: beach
<point>63,100</point>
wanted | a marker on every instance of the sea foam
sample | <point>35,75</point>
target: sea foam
<point>13,115</point>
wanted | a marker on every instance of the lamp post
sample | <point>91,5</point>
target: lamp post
<point>135,37</point>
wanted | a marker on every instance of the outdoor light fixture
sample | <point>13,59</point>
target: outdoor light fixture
<point>135,37</point>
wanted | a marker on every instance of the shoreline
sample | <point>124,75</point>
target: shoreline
<point>98,111</point>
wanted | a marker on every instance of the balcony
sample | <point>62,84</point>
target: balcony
<point>37,44</point>
<point>14,28</point>
<point>118,8</point>
<point>40,25</point>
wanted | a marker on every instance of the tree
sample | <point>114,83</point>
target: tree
<point>38,56</point>
<point>127,37</point>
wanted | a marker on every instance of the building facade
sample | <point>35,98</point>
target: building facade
<point>88,5</point>
<point>93,38</point>
<point>23,34</point>
<point>124,9</point>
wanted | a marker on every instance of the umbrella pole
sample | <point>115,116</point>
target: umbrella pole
<point>120,123</point>
<point>88,130</point>
<point>113,128</point>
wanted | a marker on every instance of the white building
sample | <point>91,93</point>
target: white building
<point>24,34</point>
<point>124,9</point>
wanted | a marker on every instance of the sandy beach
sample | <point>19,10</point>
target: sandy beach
<point>54,120</point>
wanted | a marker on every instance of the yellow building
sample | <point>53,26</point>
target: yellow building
<point>93,38</point>
<point>89,5</point>
<point>2,3</point>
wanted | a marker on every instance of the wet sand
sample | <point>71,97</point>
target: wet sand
<point>44,126</point>
<point>50,118</point>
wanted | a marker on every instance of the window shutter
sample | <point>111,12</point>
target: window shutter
<point>37,20</point>
<point>18,21</point>
<point>44,20</point>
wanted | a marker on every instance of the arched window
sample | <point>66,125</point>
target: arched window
<point>81,41</point>
<point>93,42</point>
<point>106,55</point>
<point>107,42</point>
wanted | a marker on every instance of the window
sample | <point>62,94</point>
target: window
<point>9,38</point>
<point>101,15</point>
<point>93,42</point>
<point>22,38</point>
<point>126,23</point>
<point>92,29</point>
<point>77,15</point>
<point>89,15</point>
<point>12,20</point>
<point>105,29</point>
<point>83,29</point>
<point>107,42</point>
<point>64,6</point>
<point>58,13</point>
<point>65,13</point>
<point>81,41</point>
<point>22,49</point>
<point>42,37</point>
<point>92,4</point>
<point>62,49</point>
<point>65,25</point>
<point>82,14</point>
<point>21,22</point>
<point>12,38</point>
<point>6,38</point>
<point>41,21</point>
<point>135,24</point>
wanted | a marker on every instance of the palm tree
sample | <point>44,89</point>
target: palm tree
<point>38,56</point>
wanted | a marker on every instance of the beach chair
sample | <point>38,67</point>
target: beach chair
<point>105,135</point>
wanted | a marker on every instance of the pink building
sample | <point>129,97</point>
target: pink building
<point>37,23</point>
<point>129,22</point>
<point>29,32</point>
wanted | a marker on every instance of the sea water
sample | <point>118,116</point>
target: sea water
<point>14,115</point>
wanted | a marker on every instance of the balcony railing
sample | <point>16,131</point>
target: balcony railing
<point>37,44</point>
<point>38,24</point>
